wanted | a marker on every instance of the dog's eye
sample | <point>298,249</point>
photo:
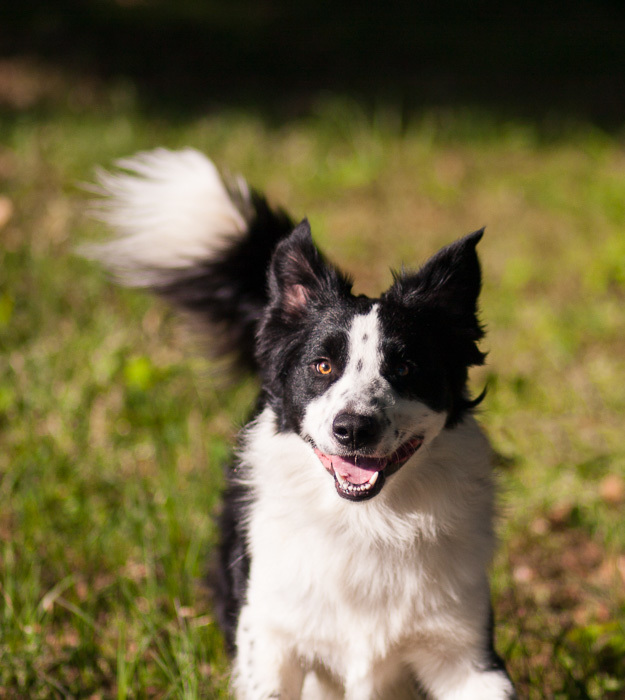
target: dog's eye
<point>402,370</point>
<point>323,366</point>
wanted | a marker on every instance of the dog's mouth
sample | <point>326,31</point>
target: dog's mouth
<point>358,478</point>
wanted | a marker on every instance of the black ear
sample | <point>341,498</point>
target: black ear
<point>449,283</point>
<point>299,277</point>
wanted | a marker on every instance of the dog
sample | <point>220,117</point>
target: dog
<point>357,526</point>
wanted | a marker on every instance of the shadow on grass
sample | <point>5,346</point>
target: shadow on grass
<point>535,60</point>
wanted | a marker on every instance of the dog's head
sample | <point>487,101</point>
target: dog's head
<point>368,382</point>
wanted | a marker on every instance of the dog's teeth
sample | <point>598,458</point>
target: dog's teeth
<point>342,481</point>
<point>347,486</point>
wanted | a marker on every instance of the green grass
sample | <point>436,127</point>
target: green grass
<point>113,435</point>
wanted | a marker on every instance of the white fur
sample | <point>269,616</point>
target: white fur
<point>170,210</point>
<point>365,591</point>
<point>362,389</point>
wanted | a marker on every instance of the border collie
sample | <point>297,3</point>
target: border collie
<point>357,527</point>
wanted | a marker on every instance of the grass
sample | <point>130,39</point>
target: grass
<point>113,436</point>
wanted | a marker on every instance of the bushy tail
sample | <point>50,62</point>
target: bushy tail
<point>200,241</point>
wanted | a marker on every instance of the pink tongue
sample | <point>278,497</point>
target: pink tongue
<point>345,466</point>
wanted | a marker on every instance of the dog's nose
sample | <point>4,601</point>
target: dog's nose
<point>356,431</point>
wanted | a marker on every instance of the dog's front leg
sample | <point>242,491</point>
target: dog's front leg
<point>265,667</point>
<point>362,689</point>
<point>360,681</point>
<point>461,674</point>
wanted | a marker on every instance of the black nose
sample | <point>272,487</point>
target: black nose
<point>356,431</point>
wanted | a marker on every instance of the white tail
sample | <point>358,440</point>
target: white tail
<point>170,210</point>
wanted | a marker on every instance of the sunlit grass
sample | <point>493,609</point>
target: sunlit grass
<point>113,437</point>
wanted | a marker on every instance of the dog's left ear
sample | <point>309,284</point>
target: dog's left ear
<point>449,284</point>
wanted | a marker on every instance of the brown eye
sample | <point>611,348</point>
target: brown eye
<point>323,366</point>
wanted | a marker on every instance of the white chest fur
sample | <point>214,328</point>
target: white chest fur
<point>345,583</point>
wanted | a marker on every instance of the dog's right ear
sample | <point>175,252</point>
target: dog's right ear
<point>299,276</point>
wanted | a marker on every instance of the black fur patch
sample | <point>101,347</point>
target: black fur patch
<point>233,566</point>
<point>292,337</point>
<point>435,310</point>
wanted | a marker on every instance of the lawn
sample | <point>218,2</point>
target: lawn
<point>114,430</point>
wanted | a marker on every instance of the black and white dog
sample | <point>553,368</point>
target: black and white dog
<point>358,521</point>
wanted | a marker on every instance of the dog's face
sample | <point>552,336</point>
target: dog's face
<point>368,382</point>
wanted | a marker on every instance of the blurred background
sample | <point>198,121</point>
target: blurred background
<point>536,59</point>
<point>396,128</point>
